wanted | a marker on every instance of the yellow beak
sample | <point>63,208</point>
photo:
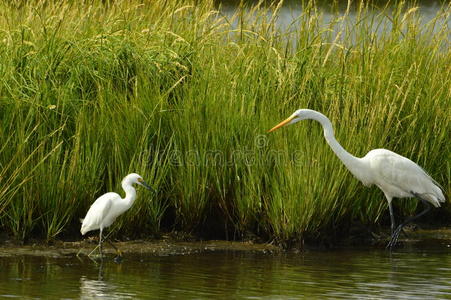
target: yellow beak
<point>283,123</point>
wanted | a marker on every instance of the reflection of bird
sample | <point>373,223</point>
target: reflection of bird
<point>109,206</point>
<point>395,175</point>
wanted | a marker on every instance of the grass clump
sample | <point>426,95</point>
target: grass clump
<point>183,95</point>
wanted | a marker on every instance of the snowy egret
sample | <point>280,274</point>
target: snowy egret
<point>109,206</point>
<point>396,175</point>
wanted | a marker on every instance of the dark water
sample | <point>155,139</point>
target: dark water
<point>345,274</point>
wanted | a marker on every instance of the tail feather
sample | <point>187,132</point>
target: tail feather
<point>434,199</point>
<point>84,228</point>
<point>440,194</point>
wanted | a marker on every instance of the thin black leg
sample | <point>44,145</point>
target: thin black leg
<point>100,243</point>
<point>392,217</point>
<point>119,253</point>
<point>398,230</point>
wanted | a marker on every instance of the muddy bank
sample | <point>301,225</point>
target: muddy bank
<point>156,247</point>
<point>437,238</point>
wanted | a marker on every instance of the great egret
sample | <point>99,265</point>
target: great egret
<point>395,175</point>
<point>109,206</point>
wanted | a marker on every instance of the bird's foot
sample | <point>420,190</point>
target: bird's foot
<point>78,253</point>
<point>118,258</point>
<point>394,237</point>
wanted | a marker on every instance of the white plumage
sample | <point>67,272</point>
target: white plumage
<point>396,175</point>
<point>104,211</point>
<point>100,216</point>
<point>399,177</point>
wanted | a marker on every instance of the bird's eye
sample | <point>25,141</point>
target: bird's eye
<point>140,180</point>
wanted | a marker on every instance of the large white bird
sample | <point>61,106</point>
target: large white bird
<point>395,175</point>
<point>104,211</point>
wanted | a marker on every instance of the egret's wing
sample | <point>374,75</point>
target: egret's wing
<point>98,211</point>
<point>398,170</point>
<point>405,175</point>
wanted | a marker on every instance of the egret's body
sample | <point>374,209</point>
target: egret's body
<point>104,211</point>
<point>396,175</point>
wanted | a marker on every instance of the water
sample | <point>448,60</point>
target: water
<point>289,15</point>
<point>344,274</point>
<point>292,9</point>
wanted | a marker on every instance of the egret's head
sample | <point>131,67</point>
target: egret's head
<point>136,178</point>
<point>299,115</point>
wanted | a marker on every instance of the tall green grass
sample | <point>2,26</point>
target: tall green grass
<point>184,95</point>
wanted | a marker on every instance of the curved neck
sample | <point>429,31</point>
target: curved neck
<point>130,194</point>
<point>350,161</point>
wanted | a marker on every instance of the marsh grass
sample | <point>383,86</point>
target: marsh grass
<point>184,96</point>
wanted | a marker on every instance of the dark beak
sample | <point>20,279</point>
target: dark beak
<point>144,184</point>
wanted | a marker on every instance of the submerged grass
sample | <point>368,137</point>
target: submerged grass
<point>184,95</point>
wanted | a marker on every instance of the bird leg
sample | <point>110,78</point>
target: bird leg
<point>118,252</point>
<point>392,217</point>
<point>98,246</point>
<point>100,243</point>
<point>398,230</point>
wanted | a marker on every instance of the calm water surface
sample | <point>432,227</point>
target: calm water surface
<point>344,274</point>
<point>289,14</point>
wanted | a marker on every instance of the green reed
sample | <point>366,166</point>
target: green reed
<point>184,96</point>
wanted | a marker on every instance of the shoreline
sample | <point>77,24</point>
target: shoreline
<point>162,247</point>
<point>421,238</point>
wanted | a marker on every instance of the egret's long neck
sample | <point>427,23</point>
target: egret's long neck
<point>130,194</point>
<point>350,161</point>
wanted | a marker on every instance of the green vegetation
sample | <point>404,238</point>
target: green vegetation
<point>183,95</point>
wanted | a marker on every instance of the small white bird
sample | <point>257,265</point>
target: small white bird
<point>395,175</point>
<point>104,211</point>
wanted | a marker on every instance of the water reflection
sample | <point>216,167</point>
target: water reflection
<point>346,274</point>
<point>98,289</point>
<point>101,288</point>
